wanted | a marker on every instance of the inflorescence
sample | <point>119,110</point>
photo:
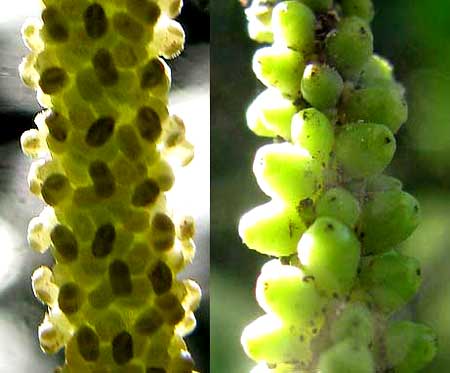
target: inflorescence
<point>334,221</point>
<point>104,150</point>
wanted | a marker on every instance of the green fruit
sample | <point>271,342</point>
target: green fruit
<point>287,172</point>
<point>355,322</point>
<point>387,219</point>
<point>349,46</point>
<point>275,112</point>
<point>361,8</point>
<point>271,229</point>
<point>287,292</point>
<point>268,339</point>
<point>321,86</point>
<point>410,346</point>
<point>391,279</point>
<point>259,16</point>
<point>329,251</point>
<point>383,104</point>
<point>382,183</point>
<point>347,357</point>
<point>281,68</point>
<point>340,204</point>
<point>293,26</point>
<point>312,130</point>
<point>259,32</point>
<point>364,149</point>
<point>318,5</point>
<point>254,118</point>
<point>376,71</point>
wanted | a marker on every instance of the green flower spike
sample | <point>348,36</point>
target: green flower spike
<point>334,221</point>
<point>101,154</point>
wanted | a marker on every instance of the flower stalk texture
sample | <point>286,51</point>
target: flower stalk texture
<point>335,221</point>
<point>104,155</point>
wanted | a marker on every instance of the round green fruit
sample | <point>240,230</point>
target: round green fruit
<point>364,149</point>
<point>271,229</point>
<point>321,86</point>
<point>410,346</point>
<point>330,252</point>
<point>349,46</point>
<point>311,130</point>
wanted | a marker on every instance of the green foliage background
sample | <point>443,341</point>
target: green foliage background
<point>415,36</point>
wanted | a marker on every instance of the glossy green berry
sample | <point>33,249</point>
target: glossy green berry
<point>271,229</point>
<point>321,86</point>
<point>269,339</point>
<point>378,104</point>
<point>275,112</point>
<point>254,118</point>
<point>364,149</point>
<point>313,131</point>
<point>377,71</point>
<point>347,357</point>
<point>356,322</point>
<point>361,8</point>
<point>287,172</point>
<point>329,251</point>
<point>259,17</point>
<point>340,204</point>
<point>349,46</point>
<point>281,68</point>
<point>391,279</point>
<point>387,219</point>
<point>410,347</point>
<point>293,26</point>
<point>287,292</point>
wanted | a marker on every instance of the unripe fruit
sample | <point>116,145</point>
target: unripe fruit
<point>383,104</point>
<point>391,279</point>
<point>259,16</point>
<point>318,5</point>
<point>287,172</point>
<point>321,86</point>
<point>355,322</point>
<point>349,46</point>
<point>364,149</point>
<point>275,112</point>
<point>347,357</point>
<point>376,71</point>
<point>361,8</point>
<point>287,292</point>
<point>271,229</point>
<point>329,251</point>
<point>387,219</point>
<point>410,346</point>
<point>340,204</point>
<point>281,68</point>
<point>254,118</point>
<point>293,26</point>
<point>313,131</point>
<point>269,339</point>
<point>382,183</point>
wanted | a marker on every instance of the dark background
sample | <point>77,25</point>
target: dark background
<point>415,36</point>
<point>20,312</point>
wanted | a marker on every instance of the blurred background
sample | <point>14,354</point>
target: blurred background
<point>415,36</point>
<point>20,312</point>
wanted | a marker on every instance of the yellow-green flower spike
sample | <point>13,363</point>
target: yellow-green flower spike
<point>102,152</point>
<point>334,221</point>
